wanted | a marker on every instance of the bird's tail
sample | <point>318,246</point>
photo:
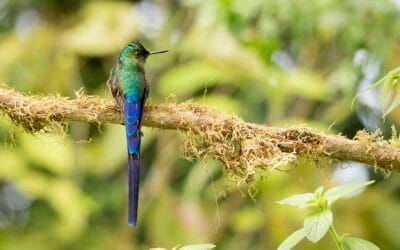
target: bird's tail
<point>133,112</point>
<point>133,179</point>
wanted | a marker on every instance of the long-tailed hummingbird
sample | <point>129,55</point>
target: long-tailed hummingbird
<point>129,88</point>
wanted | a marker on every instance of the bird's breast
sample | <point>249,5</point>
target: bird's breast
<point>132,83</point>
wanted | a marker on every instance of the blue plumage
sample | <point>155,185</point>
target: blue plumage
<point>133,113</point>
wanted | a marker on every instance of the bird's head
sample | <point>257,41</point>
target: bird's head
<point>136,52</point>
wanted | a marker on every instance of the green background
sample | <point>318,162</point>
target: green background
<point>279,63</point>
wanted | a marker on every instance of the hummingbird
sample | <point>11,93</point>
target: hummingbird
<point>129,88</point>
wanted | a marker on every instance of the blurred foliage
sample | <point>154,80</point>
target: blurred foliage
<point>319,222</point>
<point>276,62</point>
<point>390,95</point>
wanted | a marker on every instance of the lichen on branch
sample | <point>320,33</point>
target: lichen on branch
<point>244,148</point>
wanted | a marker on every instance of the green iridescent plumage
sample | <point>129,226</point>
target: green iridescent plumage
<point>131,69</point>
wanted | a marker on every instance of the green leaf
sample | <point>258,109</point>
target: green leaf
<point>298,200</point>
<point>198,247</point>
<point>394,103</point>
<point>316,225</point>
<point>292,240</point>
<point>388,82</point>
<point>351,243</point>
<point>340,191</point>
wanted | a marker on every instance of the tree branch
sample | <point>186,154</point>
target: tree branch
<point>244,148</point>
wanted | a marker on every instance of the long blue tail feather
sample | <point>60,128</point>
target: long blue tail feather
<point>133,173</point>
<point>133,114</point>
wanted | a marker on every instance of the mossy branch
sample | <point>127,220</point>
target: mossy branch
<point>244,148</point>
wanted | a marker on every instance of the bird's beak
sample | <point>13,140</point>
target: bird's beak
<point>158,52</point>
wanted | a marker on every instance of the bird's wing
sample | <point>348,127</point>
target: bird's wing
<point>144,98</point>
<point>115,91</point>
